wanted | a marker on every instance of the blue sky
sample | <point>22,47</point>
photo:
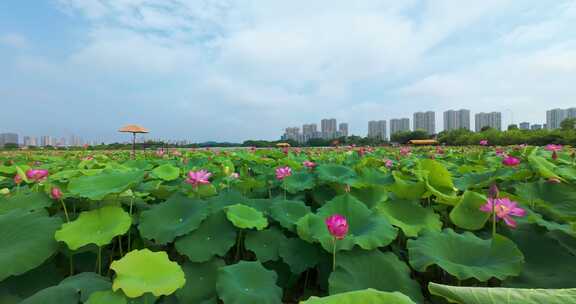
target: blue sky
<point>240,69</point>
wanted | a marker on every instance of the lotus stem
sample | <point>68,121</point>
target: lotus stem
<point>99,260</point>
<point>129,234</point>
<point>334,254</point>
<point>120,245</point>
<point>493,221</point>
<point>65,210</point>
<point>238,245</point>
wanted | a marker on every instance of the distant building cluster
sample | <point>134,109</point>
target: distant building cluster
<point>426,121</point>
<point>555,117</point>
<point>43,141</point>
<point>329,129</point>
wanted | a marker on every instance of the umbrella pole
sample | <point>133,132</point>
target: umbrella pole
<point>133,145</point>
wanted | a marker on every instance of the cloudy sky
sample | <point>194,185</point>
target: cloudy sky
<point>239,69</point>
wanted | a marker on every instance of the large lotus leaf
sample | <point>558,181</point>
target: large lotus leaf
<point>467,213</point>
<point>245,217</point>
<point>106,297</point>
<point>373,177</point>
<point>493,295</point>
<point>248,282</point>
<point>542,166</point>
<point>96,187</point>
<point>97,227</point>
<point>371,196</point>
<point>287,213</point>
<point>214,237</point>
<point>142,271</point>
<point>299,181</point>
<point>166,172</point>
<point>200,284</point>
<point>410,216</point>
<point>367,296</point>
<point>29,283</point>
<point>438,176</point>
<point>71,290</point>
<point>24,201</point>
<point>404,188</point>
<point>336,174</point>
<point>548,264</point>
<point>299,255</point>
<point>367,229</point>
<point>465,255</point>
<point>559,200</point>
<point>536,218</point>
<point>265,244</point>
<point>174,217</point>
<point>27,240</point>
<point>360,269</point>
<point>225,199</point>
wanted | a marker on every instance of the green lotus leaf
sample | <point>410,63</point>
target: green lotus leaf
<point>545,168</point>
<point>248,282</point>
<point>245,217</point>
<point>96,187</point>
<point>361,269</point>
<point>225,199</point>
<point>467,214</point>
<point>287,213</point>
<point>24,201</point>
<point>493,295</point>
<point>336,174</point>
<point>299,255</point>
<point>298,181</point>
<point>166,172</point>
<point>403,188</point>
<point>106,297</point>
<point>27,240</point>
<point>142,271</point>
<point>265,244</point>
<point>174,217</point>
<point>557,200</point>
<point>371,196</point>
<point>372,177</point>
<point>97,227</point>
<point>465,255</point>
<point>200,284</point>
<point>410,216</point>
<point>438,176</point>
<point>548,263</point>
<point>71,290</point>
<point>367,296</point>
<point>215,236</point>
<point>367,229</point>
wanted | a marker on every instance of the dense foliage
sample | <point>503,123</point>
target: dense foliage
<point>513,136</point>
<point>250,226</point>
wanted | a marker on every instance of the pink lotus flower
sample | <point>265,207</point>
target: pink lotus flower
<point>404,151</point>
<point>388,163</point>
<point>308,164</point>
<point>89,157</point>
<point>160,152</point>
<point>196,178</point>
<point>337,226</point>
<point>177,153</point>
<point>17,179</point>
<point>283,172</point>
<point>510,161</point>
<point>234,175</point>
<point>553,147</point>
<point>37,175</point>
<point>56,193</point>
<point>499,152</point>
<point>504,209</point>
<point>484,142</point>
<point>285,150</point>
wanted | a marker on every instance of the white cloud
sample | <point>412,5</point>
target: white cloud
<point>14,40</point>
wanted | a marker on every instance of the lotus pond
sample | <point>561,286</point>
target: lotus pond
<point>341,225</point>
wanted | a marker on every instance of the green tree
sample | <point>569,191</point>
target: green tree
<point>568,124</point>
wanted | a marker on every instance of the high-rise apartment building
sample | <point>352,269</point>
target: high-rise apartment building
<point>343,129</point>
<point>524,126</point>
<point>454,120</point>
<point>425,121</point>
<point>310,131</point>
<point>8,138</point>
<point>328,127</point>
<point>492,120</point>
<point>399,125</point>
<point>377,129</point>
<point>555,117</point>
